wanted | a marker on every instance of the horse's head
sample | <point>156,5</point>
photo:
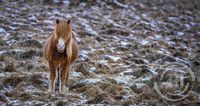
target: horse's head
<point>62,34</point>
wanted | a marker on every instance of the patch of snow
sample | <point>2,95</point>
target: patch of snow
<point>153,71</point>
<point>120,4</point>
<point>8,87</point>
<point>114,58</point>
<point>112,22</point>
<point>180,33</point>
<point>16,102</point>
<point>144,42</point>
<point>91,81</point>
<point>56,1</point>
<point>102,61</point>
<point>183,61</point>
<point>139,85</point>
<point>92,69</point>
<point>124,80</point>
<point>91,31</point>
<point>1,52</point>
<point>159,51</point>
<point>48,22</point>
<point>66,2</point>
<point>188,26</point>
<point>75,74</point>
<point>10,42</point>
<point>168,84</point>
<point>124,43</point>
<point>171,43</point>
<point>137,17</point>
<point>83,55</point>
<point>2,30</point>
<point>146,61</point>
<point>157,36</point>
<point>173,19</point>
<point>146,78</point>
<point>127,71</point>
<point>32,18</point>
<point>30,88</point>
<point>55,11</point>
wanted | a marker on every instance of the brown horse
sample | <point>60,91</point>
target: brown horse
<point>60,51</point>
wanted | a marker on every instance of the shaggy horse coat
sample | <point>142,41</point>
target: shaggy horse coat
<point>60,51</point>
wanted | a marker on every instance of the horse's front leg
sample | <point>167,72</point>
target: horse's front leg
<point>52,69</point>
<point>64,77</point>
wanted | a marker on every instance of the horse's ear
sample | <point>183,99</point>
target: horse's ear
<point>57,21</point>
<point>68,21</point>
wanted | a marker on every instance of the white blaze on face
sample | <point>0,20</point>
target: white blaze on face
<point>61,44</point>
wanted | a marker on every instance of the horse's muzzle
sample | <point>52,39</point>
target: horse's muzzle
<point>61,45</point>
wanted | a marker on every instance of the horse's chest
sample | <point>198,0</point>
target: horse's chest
<point>59,57</point>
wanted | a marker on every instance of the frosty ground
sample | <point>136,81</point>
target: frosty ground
<point>123,47</point>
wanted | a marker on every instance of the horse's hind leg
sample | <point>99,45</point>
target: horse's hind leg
<point>52,77</point>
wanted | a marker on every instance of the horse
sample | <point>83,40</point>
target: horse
<point>60,50</point>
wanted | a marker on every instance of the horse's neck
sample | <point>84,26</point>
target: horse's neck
<point>55,51</point>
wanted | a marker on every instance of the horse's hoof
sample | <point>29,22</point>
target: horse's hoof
<point>50,91</point>
<point>64,90</point>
